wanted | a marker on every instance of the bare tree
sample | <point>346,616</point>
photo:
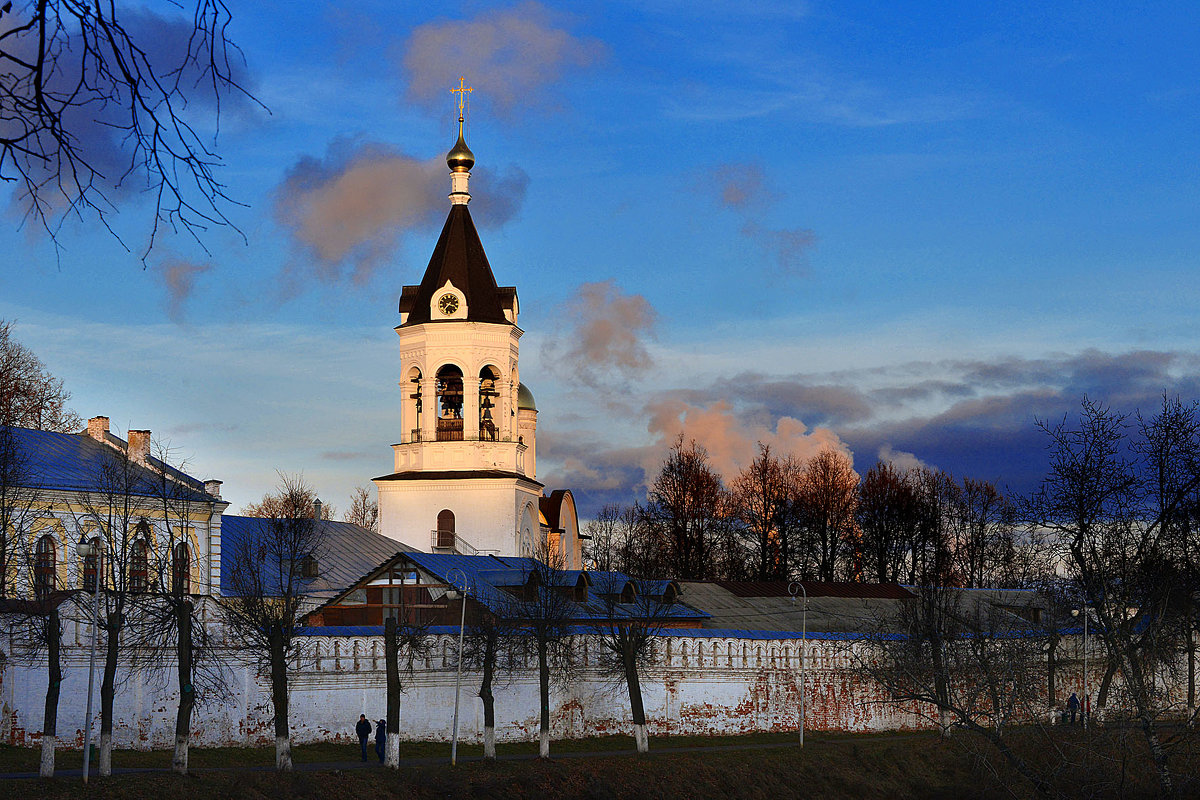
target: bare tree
<point>30,397</point>
<point>545,609</point>
<point>364,510</point>
<point>888,515</point>
<point>1112,502</point>
<point>684,511</point>
<point>269,571</point>
<point>274,505</point>
<point>30,594</point>
<point>827,497</point>
<point>405,641</point>
<point>167,631</point>
<point>759,500</point>
<point>115,512</point>
<point>96,99</point>
<point>634,614</point>
<point>492,646</point>
<point>976,668</point>
<point>984,533</point>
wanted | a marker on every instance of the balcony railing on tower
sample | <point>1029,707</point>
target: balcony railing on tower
<point>451,542</point>
<point>450,430</point>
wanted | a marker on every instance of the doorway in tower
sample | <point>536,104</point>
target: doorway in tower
<point>450,404</point>
<point>445,529</point>
<point>488,376</point>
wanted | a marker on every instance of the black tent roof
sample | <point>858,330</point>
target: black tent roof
<point>459,259</point>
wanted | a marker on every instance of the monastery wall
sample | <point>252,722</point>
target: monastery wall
<point>703,685</point>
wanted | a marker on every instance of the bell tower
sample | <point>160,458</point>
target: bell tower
<point>464,476</point>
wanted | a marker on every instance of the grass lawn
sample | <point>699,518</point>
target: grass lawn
<point>883,766</point>
<point>25,759</point>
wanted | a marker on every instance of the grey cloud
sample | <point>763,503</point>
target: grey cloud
<point>341,455</point>
<point>789,247</point>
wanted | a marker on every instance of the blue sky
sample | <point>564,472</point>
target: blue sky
<point>897,229</point>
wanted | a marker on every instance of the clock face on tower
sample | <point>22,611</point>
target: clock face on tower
<point>448,303</point>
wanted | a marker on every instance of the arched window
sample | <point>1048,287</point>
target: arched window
<point>92,565</point>
<point>414,398</point>
<point>44,566</point>
<point>445,528</point>
<point>450,404</point>
<point>139,566</point>
<point>488,431</point>
<point>181,570</point>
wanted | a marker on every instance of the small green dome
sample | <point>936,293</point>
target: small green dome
<point>525,398</point>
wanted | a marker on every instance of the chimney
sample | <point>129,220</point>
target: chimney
<point>213,488</point>
<point>98,429</point>
<point>317,509</point>
<point>139,446</point>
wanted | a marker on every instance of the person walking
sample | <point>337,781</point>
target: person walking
<point>380,738</point>
<point>1073,706</point>
<point>363,729</point>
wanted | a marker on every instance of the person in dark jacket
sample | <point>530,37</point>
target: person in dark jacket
<point>1073,706</point>
<point>380,738</point>
<point>363,729</point>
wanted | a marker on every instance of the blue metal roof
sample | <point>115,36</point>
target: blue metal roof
<point>347,551</point>
<point>480,572</point>
<point>75,462</point>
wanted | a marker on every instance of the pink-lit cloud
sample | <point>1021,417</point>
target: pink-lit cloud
<point>602,334</point>
<point>510,56</point>
<point>730,437</point>
<point>739,185</point>
<point>179,278</point>
<point>349,211</point>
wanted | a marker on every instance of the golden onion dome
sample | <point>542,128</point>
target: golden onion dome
<point>460,158</point>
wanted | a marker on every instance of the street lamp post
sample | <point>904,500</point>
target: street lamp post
<point>462,624</point>
<point>86,550</point>
<point>803,646</point>
<point>1085,706</point>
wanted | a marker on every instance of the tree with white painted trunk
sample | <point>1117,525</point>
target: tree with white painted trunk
<point>31,593</point>
<point>634,614</point>
<point>405,642</point>
<point>264,587</point>
<point>491,647</point>
<point>544,610</point>
<point>115,515</point>
<point>168,632</point>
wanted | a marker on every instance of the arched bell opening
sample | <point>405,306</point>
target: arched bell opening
<point>412,404</point>
<point>489,378</point>
<point>450,404</point>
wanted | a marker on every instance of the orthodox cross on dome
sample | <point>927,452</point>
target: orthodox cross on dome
<point>462,91</point>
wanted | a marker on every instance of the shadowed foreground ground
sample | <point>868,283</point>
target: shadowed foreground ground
<point>889,767</point>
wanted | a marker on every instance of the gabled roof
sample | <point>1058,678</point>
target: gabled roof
<point>348,552</point>
<point>488,577</point>
<point>458,258</point>
<point>551,507</point>
<point>75,462</point>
